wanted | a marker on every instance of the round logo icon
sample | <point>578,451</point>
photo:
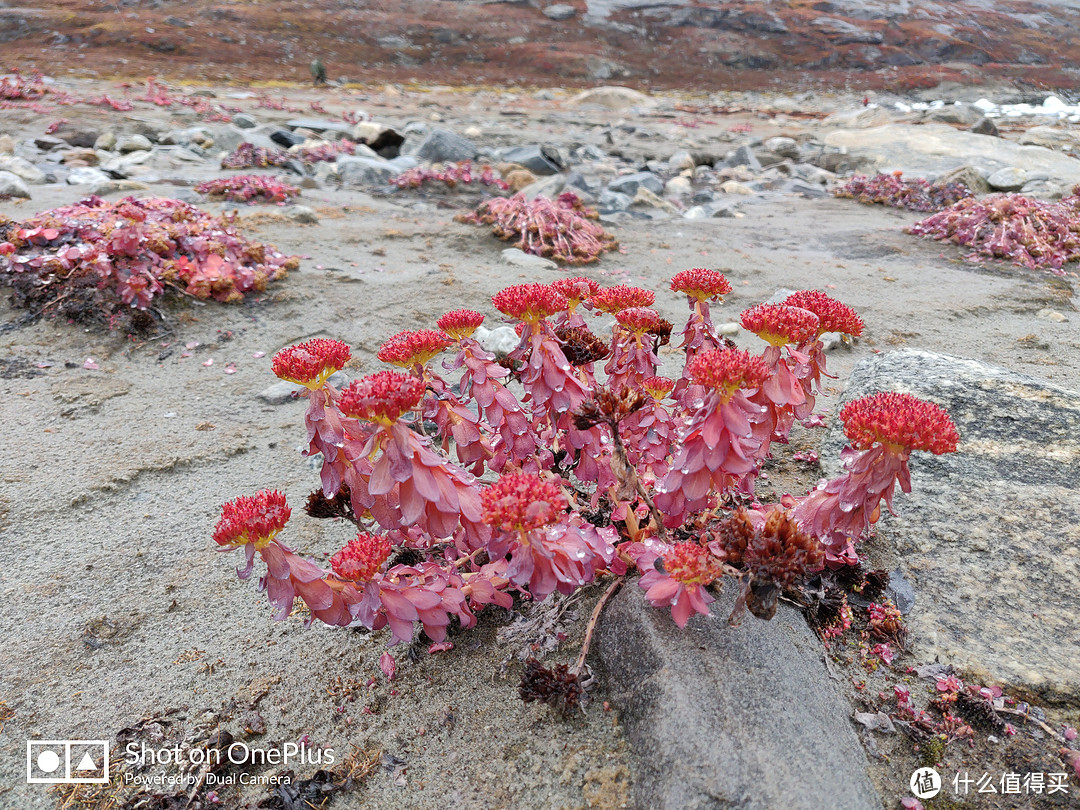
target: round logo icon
<point>925,783</point>
<point>48,761</point>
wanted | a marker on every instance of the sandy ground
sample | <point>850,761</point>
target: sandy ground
<point>116,607</point>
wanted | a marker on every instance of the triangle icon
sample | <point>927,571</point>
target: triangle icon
<point>86,763</point>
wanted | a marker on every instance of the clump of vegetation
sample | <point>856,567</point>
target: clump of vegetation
<point>895,191</point>
<point>108,262</point>
<point>1032,233</point>
<point>588,473</point>
<point>562,229</point>
<point>248,188</point>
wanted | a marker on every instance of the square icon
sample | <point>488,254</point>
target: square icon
<point>67,761</point>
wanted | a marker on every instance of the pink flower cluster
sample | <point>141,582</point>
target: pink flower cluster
<point>561,229</point>
<point>249,156</point>
<point>542,473</point>
<point>98,258</point>
<point>896,192</point>
<point>1035,234</point>
<point>452,175</point>
<point>248,188</point>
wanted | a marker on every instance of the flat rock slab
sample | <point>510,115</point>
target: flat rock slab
<point>932,149</point>
<point>990,535</point>
<point>721,717</point>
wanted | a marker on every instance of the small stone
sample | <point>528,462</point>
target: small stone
<point>613,201</point>
<point>1051,315</point>
<point>363,170</point>
<point>519,258</point>
<point>88,157</point>
<point>47,142</point>
<point>646,199</point>
<point>86,176</point>
<point>245,121</point>
<point>678,187</point>
<point>11,185</point>
<point>969,176</point>
<point>539,159</point>
<point>548,187</point>
<point>106,141</point>
<point>630,183</point>
<point>500,341</point>
<point>986,126</point>
<point>735,187</point>
<point>519,179</point>
<point>743,156</point>
<point>7,144</point>
<point>133,143</point>
<point>113,186</point>
<point>560,11</point>
<point>302,214</point>
<point>729,329</point>
<point>784,147</point>
<point>681,161</point>
<point>1011,178</point>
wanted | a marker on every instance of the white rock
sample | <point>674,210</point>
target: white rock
<point>11,185</point>
<point>500,341</point>
<point>23,168</point>
<point>519,258</point>
<point>86,175</point>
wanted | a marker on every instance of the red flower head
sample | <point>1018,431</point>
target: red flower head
<point>692,564</point>
<point>778,324</point>
<point>408,349</point>
<point>519,502</point>
<point>899,420</point>
<point>575,289</point>
<point>460,323</point>
<point>529,302</point>
<point>640,320</point>
<point>701,283</point>
<point>615,299</point>
<point>362,558</point>
<point>382,397</point>
<point>833,315</point>
<point>311,362</point>
<point>658,387</point>
<point>728,370</point>
<point>252,519</point>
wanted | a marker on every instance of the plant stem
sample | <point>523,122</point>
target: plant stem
<point>614,586</point>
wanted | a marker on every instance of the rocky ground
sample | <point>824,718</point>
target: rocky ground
<point>118,618</point>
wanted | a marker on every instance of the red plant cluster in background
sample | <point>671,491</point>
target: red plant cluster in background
<point>17,87</point>
<point>561,229</point>
<point>248,188</point>
<point>894,191</point>
<point>1032,233</point>
<point>249,156</point>
<point>582,480</point>
<point>325,152</point>
<point>102,260</point>
<point>451,175</point>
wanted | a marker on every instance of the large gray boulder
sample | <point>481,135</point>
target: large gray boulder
<point>930,149</point>
<point>444,146</point>
<point>721,717</point>
<point>990,535</point>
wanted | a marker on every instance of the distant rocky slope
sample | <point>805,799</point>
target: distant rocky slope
<point>892,44</point>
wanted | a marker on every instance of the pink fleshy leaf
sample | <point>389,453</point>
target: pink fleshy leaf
<point>90,364</point>
<point>388,665</point>
<point>442,646</point>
